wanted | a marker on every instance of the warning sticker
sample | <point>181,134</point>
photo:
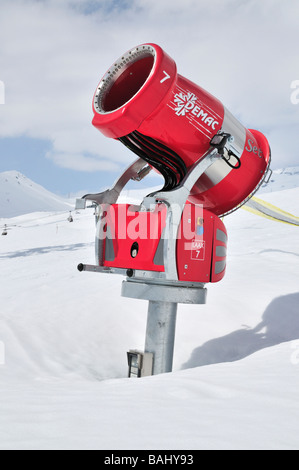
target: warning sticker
<point>198,250</point>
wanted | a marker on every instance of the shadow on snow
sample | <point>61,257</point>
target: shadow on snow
<point>44,250</point>
<point>280,323</point>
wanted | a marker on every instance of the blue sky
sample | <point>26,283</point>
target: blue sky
<point>53,54</point>
<point>27,155</point>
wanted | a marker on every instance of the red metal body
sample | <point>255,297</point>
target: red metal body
<point>135,240</point>
<point>142,92</point>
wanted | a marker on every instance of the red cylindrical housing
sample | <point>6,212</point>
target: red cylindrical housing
<point>170,121</point>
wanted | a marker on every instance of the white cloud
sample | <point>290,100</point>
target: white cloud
<point>80,162</point>
<point>53,54</point>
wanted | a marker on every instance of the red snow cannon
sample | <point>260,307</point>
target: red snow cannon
<point>210,162</point>
<point>171,123</point>
<point>174,242</point>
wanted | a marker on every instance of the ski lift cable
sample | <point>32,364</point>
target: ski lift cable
<point>27,223</point>
<point>61,216</point>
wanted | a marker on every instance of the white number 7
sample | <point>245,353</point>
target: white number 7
<point>165,78</point>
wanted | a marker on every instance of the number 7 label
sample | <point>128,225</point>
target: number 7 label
<point>198,250</point>
<point>167,77</point>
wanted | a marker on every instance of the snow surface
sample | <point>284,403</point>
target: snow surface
<point>236,366</point>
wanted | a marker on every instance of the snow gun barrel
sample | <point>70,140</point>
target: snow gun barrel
<point>170,122</point>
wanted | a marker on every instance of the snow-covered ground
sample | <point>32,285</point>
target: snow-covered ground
<point>236,366</point>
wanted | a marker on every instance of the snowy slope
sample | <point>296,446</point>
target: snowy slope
<point>236,373</point>
<point>281,179</point>
<point>19,195</point>
<point>251,404</point>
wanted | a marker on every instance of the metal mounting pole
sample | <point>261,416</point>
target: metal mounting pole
<point>162,312</point>
<point>160,334</point>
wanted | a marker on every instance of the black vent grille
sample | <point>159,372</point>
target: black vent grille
<point>166,161</point>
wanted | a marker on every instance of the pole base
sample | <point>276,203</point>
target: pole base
<point>162,313</point>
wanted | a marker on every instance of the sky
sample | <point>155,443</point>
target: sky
<point>53,54</point>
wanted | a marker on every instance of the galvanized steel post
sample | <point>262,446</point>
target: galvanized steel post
<point>160,334</point>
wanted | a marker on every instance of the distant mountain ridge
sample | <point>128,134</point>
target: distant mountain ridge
<point>283,178</point>
<point>19,195</point>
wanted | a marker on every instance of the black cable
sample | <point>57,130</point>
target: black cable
<point>170,154</point>
<point>160,157</point>
<point>166,161</point>
<point>237,158</point>
<point>167,175</point>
